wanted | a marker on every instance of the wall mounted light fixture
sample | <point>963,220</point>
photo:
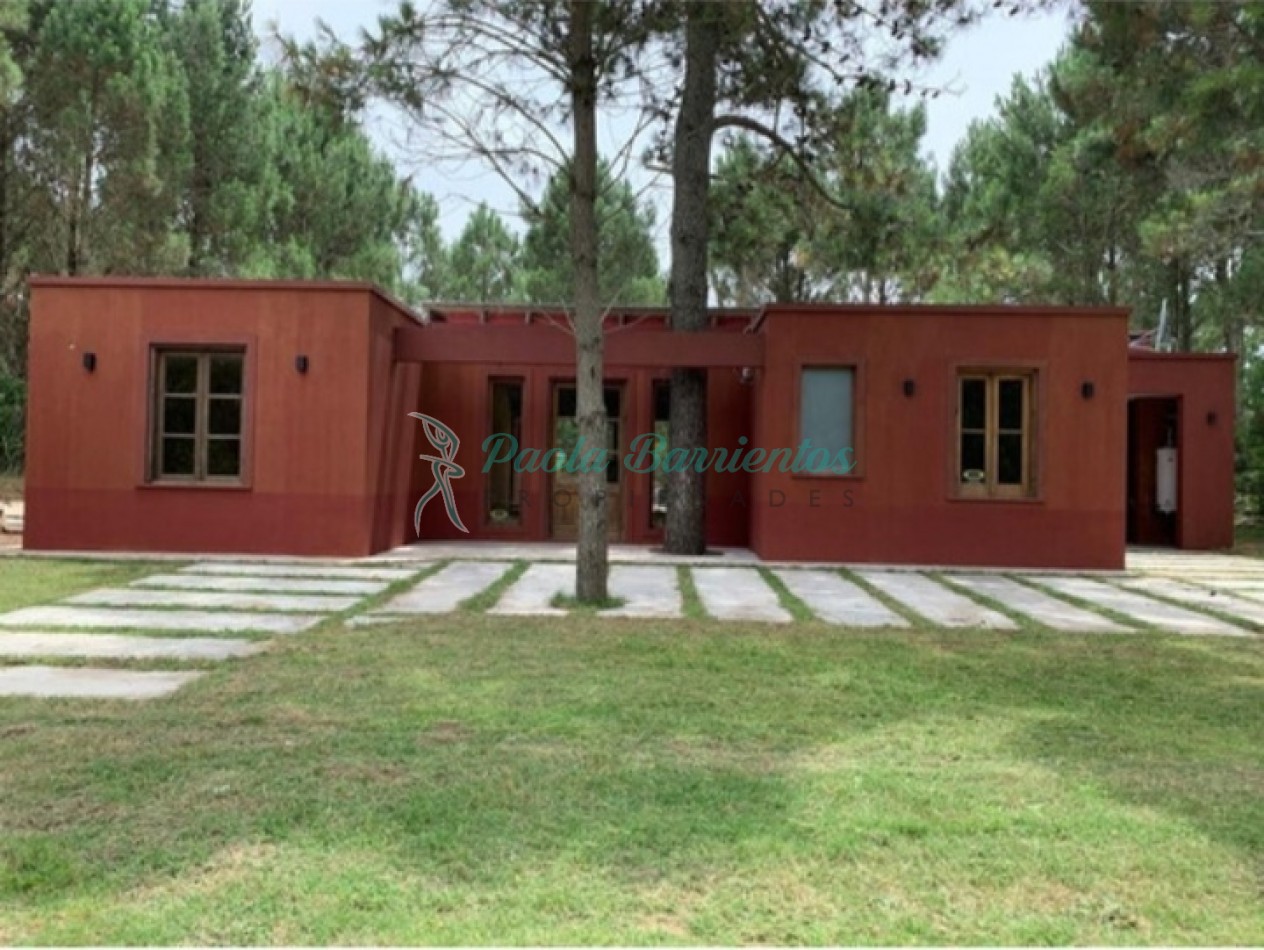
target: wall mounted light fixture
<point>910,387</point>
<point>90,362</point>
<point>1087,389</point>
<point>1211,418</point>
<point>300,363</point>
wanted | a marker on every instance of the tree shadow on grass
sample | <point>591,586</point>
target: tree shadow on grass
<point>1179,727</point>
<point>479,750</point>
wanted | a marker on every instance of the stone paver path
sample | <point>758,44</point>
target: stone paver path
<point>272,597</point>
<point>221,597</point>
<point>198,599</point>
<point>272,585</point>
<point>71,682</point>
<point>443,591</point>
<point>738,593</point>
<point>1039,606</point>
<point>1146,609</point>
<point>1188,565</point>
<point>534,591</point>
<point>1250,590</point>
<point>648,590</point>
<point>304,570</point>
<point>1221,601</point>
<point>934,601</point>
<point>117,646</point>
<point>835,599</point>
<point>193,621</point>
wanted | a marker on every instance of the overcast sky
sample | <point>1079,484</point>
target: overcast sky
<point>977,66</point>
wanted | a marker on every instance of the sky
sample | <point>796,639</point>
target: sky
<point>977,66</point>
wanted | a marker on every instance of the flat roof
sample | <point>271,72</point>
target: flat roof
<point>426,311</point>
<point>222,283</point>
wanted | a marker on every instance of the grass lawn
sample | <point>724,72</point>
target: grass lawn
<point>25,582</point>
<point>10,487</point>
<point>478,779</point>
<point>1249,540</point>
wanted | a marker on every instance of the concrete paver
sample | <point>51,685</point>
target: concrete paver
<point>1222,601</point>
<point>1040,606</point>
<point>738,593</point>
<point>203,599</point>
<point>648,590</point>
<point>443,591</point>
<point>835,599</point>
<point>1131,604</point>
<point>89,683</point>
<point>534,591</point>
<point>934,601</point>
<point>100,645</point>
<point>269,569</point>
<point>267,585</point>
<point>122,618</point>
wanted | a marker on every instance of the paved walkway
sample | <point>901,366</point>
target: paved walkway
<point>216,611</point>
<point>738,593</point>
<point>140,623</point>
<point>941,605</point>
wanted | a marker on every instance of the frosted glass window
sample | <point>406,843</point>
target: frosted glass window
<point>826,414</point>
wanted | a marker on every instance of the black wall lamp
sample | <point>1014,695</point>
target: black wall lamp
<point>1087,389</point>
<point>1211,418</point>
<point>300,363</point>
<point>910,387</point>
<point>90,362</point>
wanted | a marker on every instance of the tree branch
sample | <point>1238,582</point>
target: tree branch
<point>775,138</point>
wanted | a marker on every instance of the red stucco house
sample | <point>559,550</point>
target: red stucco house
<point>272,417</point>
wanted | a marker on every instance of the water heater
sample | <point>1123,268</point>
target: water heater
<point>1165,481</point>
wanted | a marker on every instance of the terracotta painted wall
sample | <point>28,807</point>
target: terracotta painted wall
<point>308,438</point>
<point>900,506</point>
<point>392,445</point>
<point>1204,386</point>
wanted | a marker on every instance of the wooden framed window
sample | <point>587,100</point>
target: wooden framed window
<point>198,402</point>
<point>995,434</point>
<point>504,483</point>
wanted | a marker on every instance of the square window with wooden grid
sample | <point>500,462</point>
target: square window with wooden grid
<point>198,404</point>
<point>995,434</point>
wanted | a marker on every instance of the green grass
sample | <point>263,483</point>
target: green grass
<point>790,603</point>
<point>480,779</point>
<point>10,486</point>
<point>1249,540</point>
<point>489,596</point>
<point>26,582</point>
<point>690,602</point>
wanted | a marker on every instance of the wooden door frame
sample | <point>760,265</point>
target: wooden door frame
<point>556,385</point>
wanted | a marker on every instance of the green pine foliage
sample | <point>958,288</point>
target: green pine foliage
<point>628,267</point>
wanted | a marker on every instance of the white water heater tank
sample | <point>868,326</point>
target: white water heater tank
<point>1165,481</point>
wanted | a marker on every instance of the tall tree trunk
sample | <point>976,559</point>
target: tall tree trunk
<point>590,563</point>
<point>691,174</point>
<point>1183,322</point>
<point>82,201</point>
